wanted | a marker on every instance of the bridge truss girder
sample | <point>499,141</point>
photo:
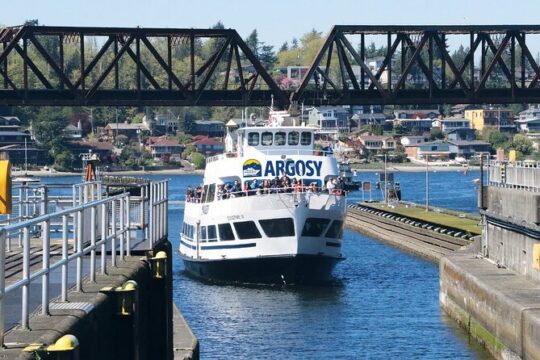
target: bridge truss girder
<point>331,78</point>
<point>35,68</point>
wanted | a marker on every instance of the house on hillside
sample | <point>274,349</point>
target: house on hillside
<point>209,128</point>
<point>330,118</point>
<point>208,146</point>
<point>449,124</point>
<point>497,119</point>
<point>165,149</point>
<point>132,131</point>
<point>378,143</point>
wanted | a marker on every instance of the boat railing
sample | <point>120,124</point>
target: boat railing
<point>267,191</point>
<point>270,152</point>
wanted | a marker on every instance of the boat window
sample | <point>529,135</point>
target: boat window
<point>266,139</point>
<point>247,230</point>
<point>306,138</point>
<point>294,137</point>
<point>280,138</point>
<point>314,226</point>
<point>204,192</point>
<point>212,236</point>
<point>210,193</point>
<point>203,234</point>
<point>253,138</point>
<point>335,229</point>
<point>225,232</point>
<point>278,227</point>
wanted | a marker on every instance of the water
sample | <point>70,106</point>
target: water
<point>383,305</point>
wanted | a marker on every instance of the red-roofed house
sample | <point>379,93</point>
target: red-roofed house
<point>208,146</point>
<point>164,148</point>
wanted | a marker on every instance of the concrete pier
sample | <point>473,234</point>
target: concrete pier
<point>492,288</point>
<point>102,277</point>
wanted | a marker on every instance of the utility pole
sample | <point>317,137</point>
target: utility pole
<point>427,182</point>
<point>385,182</point>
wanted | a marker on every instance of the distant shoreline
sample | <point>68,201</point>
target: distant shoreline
<point>43,173</point>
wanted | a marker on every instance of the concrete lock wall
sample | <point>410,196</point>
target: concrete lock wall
<point>514,203</point>
<point>510,240</point>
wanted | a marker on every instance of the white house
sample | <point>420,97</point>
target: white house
<point>330,118</point>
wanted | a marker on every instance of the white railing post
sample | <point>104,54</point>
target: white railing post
<point>20,215</point>
<point>2,286</point>
<point>93,216</point>
<point>151,214</point>
<point>104,227</point>
<point>166,205</point>
<point>65,236</point>
<point>78,248</point>
<point>113,233</point>
<point>128,227</point>
<point>45,228</point>
<point>25,275</point>
<point>122,228</point>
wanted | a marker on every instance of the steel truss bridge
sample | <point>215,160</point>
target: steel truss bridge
<point>89,66</point>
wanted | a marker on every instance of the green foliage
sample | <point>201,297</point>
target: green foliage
<point>522,145</point>
<point>198,160</point>
<point>188,151</point>
<point>48,126</point>
<point>436,134</point>
<point>377,130</point>
<point>185,139</point>
<point>63,160</point>
<point>497,139</point>
<point>399,129</point>
<point>187,123</point>
<point>135,155</point>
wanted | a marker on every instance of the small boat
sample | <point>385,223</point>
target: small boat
<point>347,174</point>
<point>261,214</point>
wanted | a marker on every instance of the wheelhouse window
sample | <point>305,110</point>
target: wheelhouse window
<point>294,138</point>
<point>210,192</point>
<point>280,138</point>
<point>247,230</point>
<point>225,232</point>
<point>253,139</point>
<point>314,226</point>
<point>266,138</point>
<point>278,227</point>
<point>306,138</point>
<point>335,230</point>
<point>211,233</point>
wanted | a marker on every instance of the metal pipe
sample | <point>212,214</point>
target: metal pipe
<point>93,244</point>
<point>79,248</point>
<point>45,266</point>
<point>122,228</point>
<point>113,232</point>
<point>128,226</point>
<point>25,276</point>
<point>104,227</point>
<point>64,256</point>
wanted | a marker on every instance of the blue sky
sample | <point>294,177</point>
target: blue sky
<point>277,21</point>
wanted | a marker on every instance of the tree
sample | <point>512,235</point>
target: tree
<point>187,123</point>
<point>252,41</point>
<point>522,144</point>
<point>497,139</point>
<point>198,160</point>
<point>267,56</point>
<point>294,43</point>
<point>48,127</point>
<point>284,47</point>
<point>436,134</point>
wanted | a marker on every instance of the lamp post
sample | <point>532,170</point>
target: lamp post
<point>427,182</point>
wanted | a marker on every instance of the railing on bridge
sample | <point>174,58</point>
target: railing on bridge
<point>92,226</point>
<point>518,175</point>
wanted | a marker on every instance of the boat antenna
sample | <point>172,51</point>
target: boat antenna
<point>272,103</point>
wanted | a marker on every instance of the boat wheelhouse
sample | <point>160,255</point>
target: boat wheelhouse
<point>263,214</point>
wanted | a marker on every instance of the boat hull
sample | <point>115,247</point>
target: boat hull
<point>298,269</point>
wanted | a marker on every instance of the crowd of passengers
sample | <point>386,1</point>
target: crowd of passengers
<point>277,185</point>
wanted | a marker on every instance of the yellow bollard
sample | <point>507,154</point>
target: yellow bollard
<point>159,265</point>
<point>5,187</point>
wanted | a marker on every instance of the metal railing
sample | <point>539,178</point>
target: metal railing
<point>518,175</point>
<point>94,231</point>
<point>286,151</point>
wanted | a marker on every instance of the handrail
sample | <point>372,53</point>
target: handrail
<point>102,224</point>
<point>523,175</point>
<point>285,151</point>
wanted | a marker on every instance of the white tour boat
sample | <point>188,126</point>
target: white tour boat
<point>283,226</point>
